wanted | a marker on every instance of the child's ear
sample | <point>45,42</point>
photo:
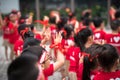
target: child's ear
<point>118,61</point>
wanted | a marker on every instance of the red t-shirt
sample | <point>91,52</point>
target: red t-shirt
<point>80,72</point>
<point>107,76</point>
<point>113,39</point>
<point>37,36</point>
<point>18,46</point>
<point>99,36</point>
<point>66,43</point>
<point>6,32</point>
<point>73,55</point>
<point>14,33</point>
<point>53,30</point>
<point>49,71</point>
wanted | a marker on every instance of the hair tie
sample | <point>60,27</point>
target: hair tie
<point>22,32</point>
<point>91,59</point>
<point>64,32</point>
<point>45,23</point>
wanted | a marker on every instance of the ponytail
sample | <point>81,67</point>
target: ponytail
<point>86,69</point>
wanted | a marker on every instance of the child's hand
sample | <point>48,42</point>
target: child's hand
<point>58,38</point>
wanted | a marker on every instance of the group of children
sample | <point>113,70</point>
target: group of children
<point>79,50</point>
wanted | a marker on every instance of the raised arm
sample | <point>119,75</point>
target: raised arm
<point>60,57</point>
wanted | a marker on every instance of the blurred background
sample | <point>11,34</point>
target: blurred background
<point>43,7</point>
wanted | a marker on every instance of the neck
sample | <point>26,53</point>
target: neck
<point>114,32</point>
<point>98,29</point>
<point>88,44</point>
<point>112,69</point>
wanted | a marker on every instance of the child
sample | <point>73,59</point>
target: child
<point>99,33</point>
<point>113,38</point>
<point>25,68</point>
<point>6,33</point>
<point>108,59</point>
<point>88,68</point>
<point>83,39</point>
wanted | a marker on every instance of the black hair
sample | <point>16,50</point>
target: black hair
<point>52,20</point>
<point>22,19</point>
<point>86,21</point>
<point>97,21</point>
<point>31,27</point>
<point>33,50</point>
<point>117,14</point>
<point>87,14</point>
<point>71,15</point>
<point>82,37</point>
<point>115,24</point>
<point>108,57</point>
<point>31,41</point>
<point>90,62</point>
<point>22,27</point>
<point>23,68</point>
<point>69,29</point>
<point>62,22</point>
<point>27,34</point>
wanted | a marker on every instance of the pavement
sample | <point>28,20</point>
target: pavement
<point>3,62</point>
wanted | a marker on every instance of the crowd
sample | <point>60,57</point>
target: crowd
<point>79,50</point>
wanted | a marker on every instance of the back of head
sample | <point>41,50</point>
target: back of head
<point>108,57</point>
<point>30,41</point>
<point>71,15</point>
<point>115,25</point>
<point>23,68</point>
<point>97,21</point>
<point>69,29</point>
<point>117,14</point>
<point>62,22</point>
<point>82,37</point>
<point>52,20</point>
<point>90,61</point>
<point>34,50</point>
<point>87,21</point>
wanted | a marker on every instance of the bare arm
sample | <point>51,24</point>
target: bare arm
<point>1,21</point>
<point>60,57</point>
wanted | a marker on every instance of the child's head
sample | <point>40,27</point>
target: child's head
<point>115,25</point>
<point>25,31</point>
<point>117,14</point>
<point>90,61</point>
<point>30,41</point>
<point>68,31</point>
<point>82,37</point>
<point>87,21</point>
<point>42,55</point>
<point>24,68</point>
<point>62,22</point>
<point>98,22</point>
<point>52,20</point>
<point>108,57</point>
<point>29,65</point>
